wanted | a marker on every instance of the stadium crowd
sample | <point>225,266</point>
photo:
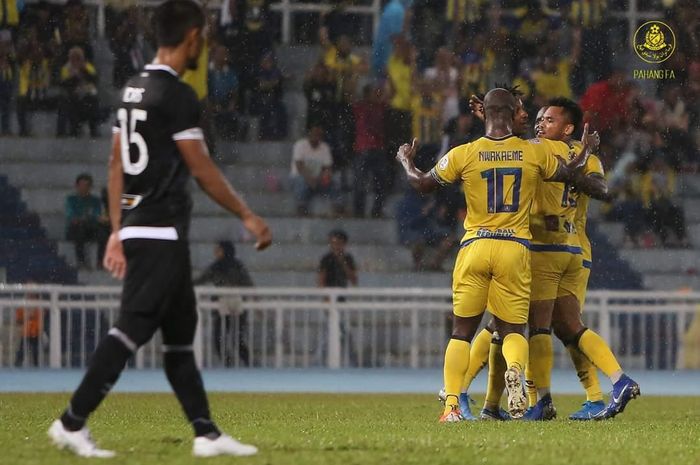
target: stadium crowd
<point>427,59</point>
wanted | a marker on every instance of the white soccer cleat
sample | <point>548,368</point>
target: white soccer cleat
<point>517,401</point>
<point>78,442</point>
<point>223,445</point>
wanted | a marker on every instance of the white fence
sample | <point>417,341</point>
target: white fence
<point>57,327</point>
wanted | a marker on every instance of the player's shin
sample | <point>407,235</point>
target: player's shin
<point>515,352</point>
<point>540,363</point>
<point>186,381</point>
<point>106,365</point>
<point>478,356</point>
<point>597,350</point>
<point>456,365</point>
<point>587,374</point>
<point>497,368</point>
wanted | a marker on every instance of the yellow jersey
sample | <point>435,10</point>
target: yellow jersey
<point>499,178</point>
<point>553,212</point>
<point>593,166</point>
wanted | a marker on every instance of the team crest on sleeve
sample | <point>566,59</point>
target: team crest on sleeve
<point>442,164</point>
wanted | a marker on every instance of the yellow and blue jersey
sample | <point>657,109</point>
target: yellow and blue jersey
<point>593,166</point>
<point>552,218</point>
<point>500,178</point>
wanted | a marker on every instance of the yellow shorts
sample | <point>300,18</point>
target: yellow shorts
<point>582,283</point>
<point>554,274</point>
<point>496,271</point>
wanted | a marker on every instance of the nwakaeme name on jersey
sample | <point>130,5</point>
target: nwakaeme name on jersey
<point>501,155</point>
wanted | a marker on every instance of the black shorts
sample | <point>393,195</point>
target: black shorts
<point>158,293</point>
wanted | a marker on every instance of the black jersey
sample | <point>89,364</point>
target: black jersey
<point>156,110</point>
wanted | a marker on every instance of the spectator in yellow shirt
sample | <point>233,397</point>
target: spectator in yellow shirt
<point>401,72</point>
<point>79,100</point>
<point>426,108</point>
<point>33,85</point>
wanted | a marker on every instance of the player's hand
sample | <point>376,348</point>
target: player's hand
<point>592,140</point>
<point>406,152</point>
<point>257,227</point>
<point>477,107</point>
<point>114,260</point>
<point>586,140</point>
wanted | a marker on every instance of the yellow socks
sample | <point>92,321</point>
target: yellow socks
<point>587,374</point>
<point>496,384</point>
<point>515,351</point>
<point>598,352</point>
<point>456,365</point>
<point>478,356</point>
<point>538,374</point>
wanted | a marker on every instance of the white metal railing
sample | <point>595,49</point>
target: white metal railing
<point>298,327</point>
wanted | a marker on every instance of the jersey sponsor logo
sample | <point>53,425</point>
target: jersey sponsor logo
<point>133,95</point>
<point>654,42</point>
<point>496,233</point>
<point>130,201</point>
<point>442,164</point>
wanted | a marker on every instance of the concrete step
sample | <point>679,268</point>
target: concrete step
<point>284,229</point>
<point>669,261</point>
<point>671,282</point>
<point>51,150</point>
<point>52,200</point>
<point>305,279</point>
<point>615,232</point>
<point>300,257</point>
<point>63,174</point>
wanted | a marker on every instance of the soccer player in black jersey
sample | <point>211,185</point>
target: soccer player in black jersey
<point>157,145</point>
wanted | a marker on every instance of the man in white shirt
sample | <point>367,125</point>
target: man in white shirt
<point>312,169</point>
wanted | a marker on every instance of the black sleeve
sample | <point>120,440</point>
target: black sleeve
<point>325,263</point>
<point>351,262</point>
<point>185,112</point>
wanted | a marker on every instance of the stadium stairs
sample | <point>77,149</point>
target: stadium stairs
<point>666,269</point>
<point>26,253</point>
<point>44,168</point>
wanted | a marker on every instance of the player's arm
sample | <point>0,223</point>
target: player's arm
<point>114,260</point>
<point>566,172</point>
<point>420,181</point>
<point>213,182</point>
<point>593,185</point>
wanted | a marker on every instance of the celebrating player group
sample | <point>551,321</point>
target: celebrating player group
<point>525,258</point>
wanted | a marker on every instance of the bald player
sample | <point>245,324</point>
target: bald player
<point>500,174</point>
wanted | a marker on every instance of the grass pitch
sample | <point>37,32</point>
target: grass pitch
<point>148,429</point>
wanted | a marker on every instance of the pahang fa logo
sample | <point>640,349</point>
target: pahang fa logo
<point>654,42</point>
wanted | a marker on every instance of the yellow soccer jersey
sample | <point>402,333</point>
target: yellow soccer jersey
<point>593,166</point>
<point>552,219</point>
<point>499,178</point>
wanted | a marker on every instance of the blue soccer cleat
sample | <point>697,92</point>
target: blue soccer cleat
<point>494,415</point>
<point>588,411</point>
<point>624,390</point>
<point>465,406</point>
<point>465,403</point>
<point>543,410</point>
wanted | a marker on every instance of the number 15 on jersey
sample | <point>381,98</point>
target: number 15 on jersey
<point>129,135</point>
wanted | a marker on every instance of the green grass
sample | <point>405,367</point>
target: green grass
<point>356,429</point>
